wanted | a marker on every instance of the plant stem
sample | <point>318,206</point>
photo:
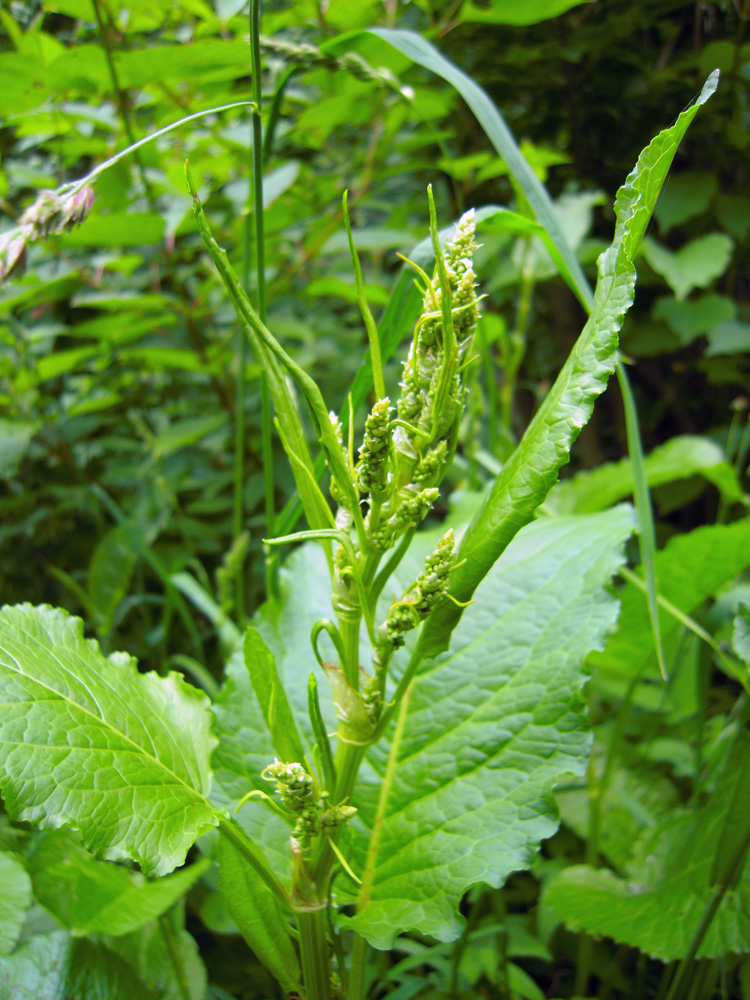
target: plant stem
<point>314,953</point>
<point>266,436</point>
<point>122,107</point>
<point>356,989</point>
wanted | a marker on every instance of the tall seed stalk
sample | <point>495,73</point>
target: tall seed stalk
<point>253,221</point>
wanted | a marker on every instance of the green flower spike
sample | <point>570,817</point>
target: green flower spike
<point>372,469</point>
<point>421,598</point>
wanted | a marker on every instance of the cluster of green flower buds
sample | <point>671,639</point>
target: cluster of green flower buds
<point>299,794</point>
<point>402,461</point>
<point>420,599</point>
<point>434,419</point>
<point>372,469</point>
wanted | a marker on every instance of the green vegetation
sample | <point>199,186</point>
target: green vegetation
<point>317,680</point>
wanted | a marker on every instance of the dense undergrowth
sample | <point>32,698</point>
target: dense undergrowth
<point>552,802</point>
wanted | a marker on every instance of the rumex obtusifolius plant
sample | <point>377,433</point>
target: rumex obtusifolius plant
<point>443,765</point>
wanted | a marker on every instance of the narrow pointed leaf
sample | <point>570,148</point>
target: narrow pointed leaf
<point>533,467</point>
<point>89,896</point>
<point>259,918</point>
<point>261,666</point>
<point>14,900</point>
<point>91,744</point>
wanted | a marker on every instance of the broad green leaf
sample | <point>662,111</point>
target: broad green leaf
<point>258,915</point>
<point>690,569</point>
<point>91,744</point>
<point>15,437</point>
<point>110,572</point>
<point>165,957</point>
<point>189,431</point>
<point>680,457</point>
<point>59,967</point>
<point>733,212</point>
<point>62,362</point>
<point>14,900</point>
<point>533,467</point>
<point>732,337</point>
<point>89,896</point>
<point>513,12</point>
<point>741,634</point>
<point>685,195</point>
<point>695,265</point>
<point>261,666</point>
<point>660,908</point>
<point>118,229</point>
<point>487,730</point>
<point>690,318</point>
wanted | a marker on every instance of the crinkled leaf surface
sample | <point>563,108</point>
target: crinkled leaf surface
<point>89,743</point>
<point>659,909</point>
<point>59,967</point>
<point>690,568</point>
<point>487,731</point>
<point>91,896</point>
<point>15,897</point>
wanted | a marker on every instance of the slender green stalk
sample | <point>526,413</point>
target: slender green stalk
<point>370,325</point>
<point>598,788</point>
<point>643,511</point>
<point>122,107</point>
<point>252,854</point>
<point>732,667</point>
<point>357,969</point>
<point>266,418</point>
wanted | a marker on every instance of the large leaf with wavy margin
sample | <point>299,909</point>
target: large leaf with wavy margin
<point>487,730</point>
<point>674,880</point>
<point>88,743</point>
